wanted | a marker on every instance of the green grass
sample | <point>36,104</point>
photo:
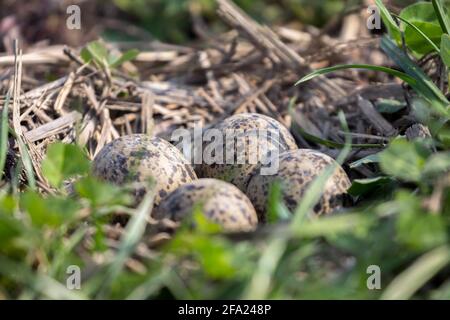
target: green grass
<point>400,223</point>
<point>303,259</point>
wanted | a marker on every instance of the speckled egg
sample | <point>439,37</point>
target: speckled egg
<point>139,157</point>
<point>296,170</point>
<point>220,201</point>
<point>249,145</point>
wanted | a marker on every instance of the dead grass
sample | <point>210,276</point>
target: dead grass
<point>251,68</point>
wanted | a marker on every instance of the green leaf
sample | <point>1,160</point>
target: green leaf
<point>422,110</point>
<point>86,56</point>
<point>417,229</point>
<point>216,256</point>
<point>363,186</point>
<point>404,160</point>
<point>9,229</point>
<point>422,32</point>
<point>420,11</point>
<point>64,161</point>
<point>114,62</point>
<point>8,204</point>
<point>389,106</point>
<point>436,165</point>
<point>202,223</point>
<point>389,22</point>
<point>101,193</point>
<point>421,37</point>
<point>417,43</point>
<point>52,211</point>
<point>214,253</point>
<point>445,49</point>
<point>98,51</point>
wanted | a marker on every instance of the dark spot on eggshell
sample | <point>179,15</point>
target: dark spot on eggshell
<point>239,173</point>
<point>297,169</point>
<point>220,201</point>
<point>162,193</point>
<point>138,158</point>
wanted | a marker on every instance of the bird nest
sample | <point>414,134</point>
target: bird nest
<point>251,68</point>
<point>55,96</point>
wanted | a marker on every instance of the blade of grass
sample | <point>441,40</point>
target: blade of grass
<point>391,25</point>
<point>445,47</point>
<point>276,209</point>
<point>316,188</point>
<point>318,140</point>
<point>27,164</point>
<point>442,16</point>
<point>133,233</point>
<point>420,272</point>
<point>25,160</point>
<point>177,287</point>
<point>413,75</point>
<point>65,249</point>
<point>334,225</point>
<point>260,284</point>
<point>151,286</point>
<point>15,177</point>
<point>23,150</point>
<point>4,134</point>
<point>403,76</point>
<point>332,144</point>
<point>415,28</point>
<point>422,84</point>
<point>369,159</point>
<point>261,281</point>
